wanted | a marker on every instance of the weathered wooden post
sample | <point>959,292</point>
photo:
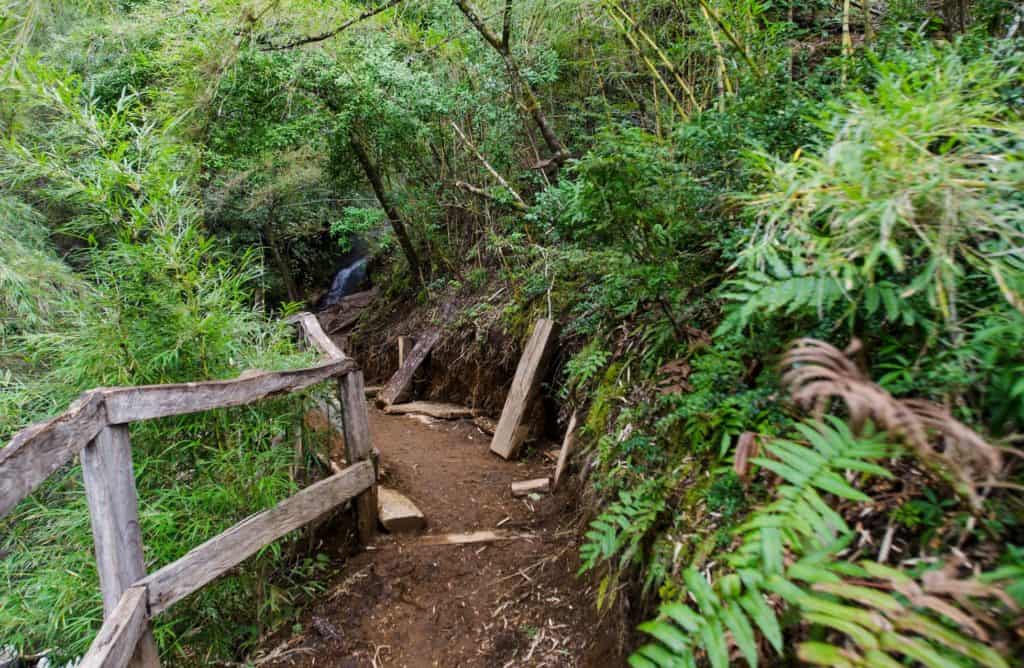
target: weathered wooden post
<point>354,419</point>
<point>405,344</point>
<point>358,447</point>
<point>399,387</point>
<point>114,514</point>
<point>511,432</point>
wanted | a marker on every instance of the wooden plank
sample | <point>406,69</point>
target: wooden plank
<point>129,404</point>
<point>114,514</point>
<point>527,487</point>
<point>568,445</point>
<point>397,512</point>
<point>36,452</point>
<point>114,645</point>
<point>358,447</point>
<point>510,433</point>
<point>317,338</point>
<point>405,345</point>
<point>471,537</point>
<point>397,389</point>
<point>225,551</point>
<point>433,409</point>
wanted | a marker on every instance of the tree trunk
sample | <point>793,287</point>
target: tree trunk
<point>373,176</point>
<point>281,261</point>
<point>501,44</point>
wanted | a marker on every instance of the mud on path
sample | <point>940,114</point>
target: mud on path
<point>507,603</point>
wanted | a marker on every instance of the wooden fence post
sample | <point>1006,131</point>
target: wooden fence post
<point>358,446</point>
<point>114,514</point>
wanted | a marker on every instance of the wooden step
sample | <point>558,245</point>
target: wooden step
<point>433,409</point>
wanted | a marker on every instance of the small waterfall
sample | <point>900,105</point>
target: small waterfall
<point>346,281</point>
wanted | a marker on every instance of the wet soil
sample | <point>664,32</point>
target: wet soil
<point>510,603</point>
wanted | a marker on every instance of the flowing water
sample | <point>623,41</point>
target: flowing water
<point>346,281</point>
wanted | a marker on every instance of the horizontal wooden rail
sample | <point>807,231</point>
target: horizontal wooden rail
<point>130,404</point>
<point>114,645</point>
<point>37,451</point>
<point>225,551</point>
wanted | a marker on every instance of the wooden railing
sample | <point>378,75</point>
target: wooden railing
<point>96,428</point>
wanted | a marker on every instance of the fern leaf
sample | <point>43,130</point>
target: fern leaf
<point>823,654</point>
<point>742,633</point>
<point>668,634</point>
<point>916,649</point>
<point>764,618</point>
<point>861,636</point>
<point>682,615</point>
<point>713,638</point>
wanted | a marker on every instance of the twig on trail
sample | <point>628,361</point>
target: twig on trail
<point>533,647</point>
<point>531,567</point>
<point>343,588</point>
<point>511,602</point>
<point>376,654</point>
<point>279,652</point>
<point>883,552</point>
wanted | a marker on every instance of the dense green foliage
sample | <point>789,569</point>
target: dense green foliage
<point>735,175</point>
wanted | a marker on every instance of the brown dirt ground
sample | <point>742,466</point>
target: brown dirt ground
<point>510,603</point>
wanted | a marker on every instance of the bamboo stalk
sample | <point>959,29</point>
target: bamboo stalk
<point>651,66</point>
<point>732,38</point>
<point>661,55</point>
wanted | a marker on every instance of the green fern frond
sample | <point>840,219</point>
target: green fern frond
<point>800,517</point>
<point>619,529</point>
<point>798,522</point>
<point>887,616</point>
<point>785,291</point>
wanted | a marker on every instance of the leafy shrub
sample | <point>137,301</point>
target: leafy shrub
<point>914,192</point>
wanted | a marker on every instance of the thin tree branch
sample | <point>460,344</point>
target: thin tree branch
<point>480,192</point>
<point>469,144</point>
<point>471,13</point>
<point>331,33</point>
<point>506,25</point>
<point>661,54</point>
<point>530,102</point>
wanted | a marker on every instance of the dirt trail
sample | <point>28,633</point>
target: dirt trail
<point>510,603</point>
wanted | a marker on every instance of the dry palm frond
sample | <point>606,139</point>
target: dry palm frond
<point>816,373</point>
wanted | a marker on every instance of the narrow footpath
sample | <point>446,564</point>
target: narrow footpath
<point>404,602</point>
